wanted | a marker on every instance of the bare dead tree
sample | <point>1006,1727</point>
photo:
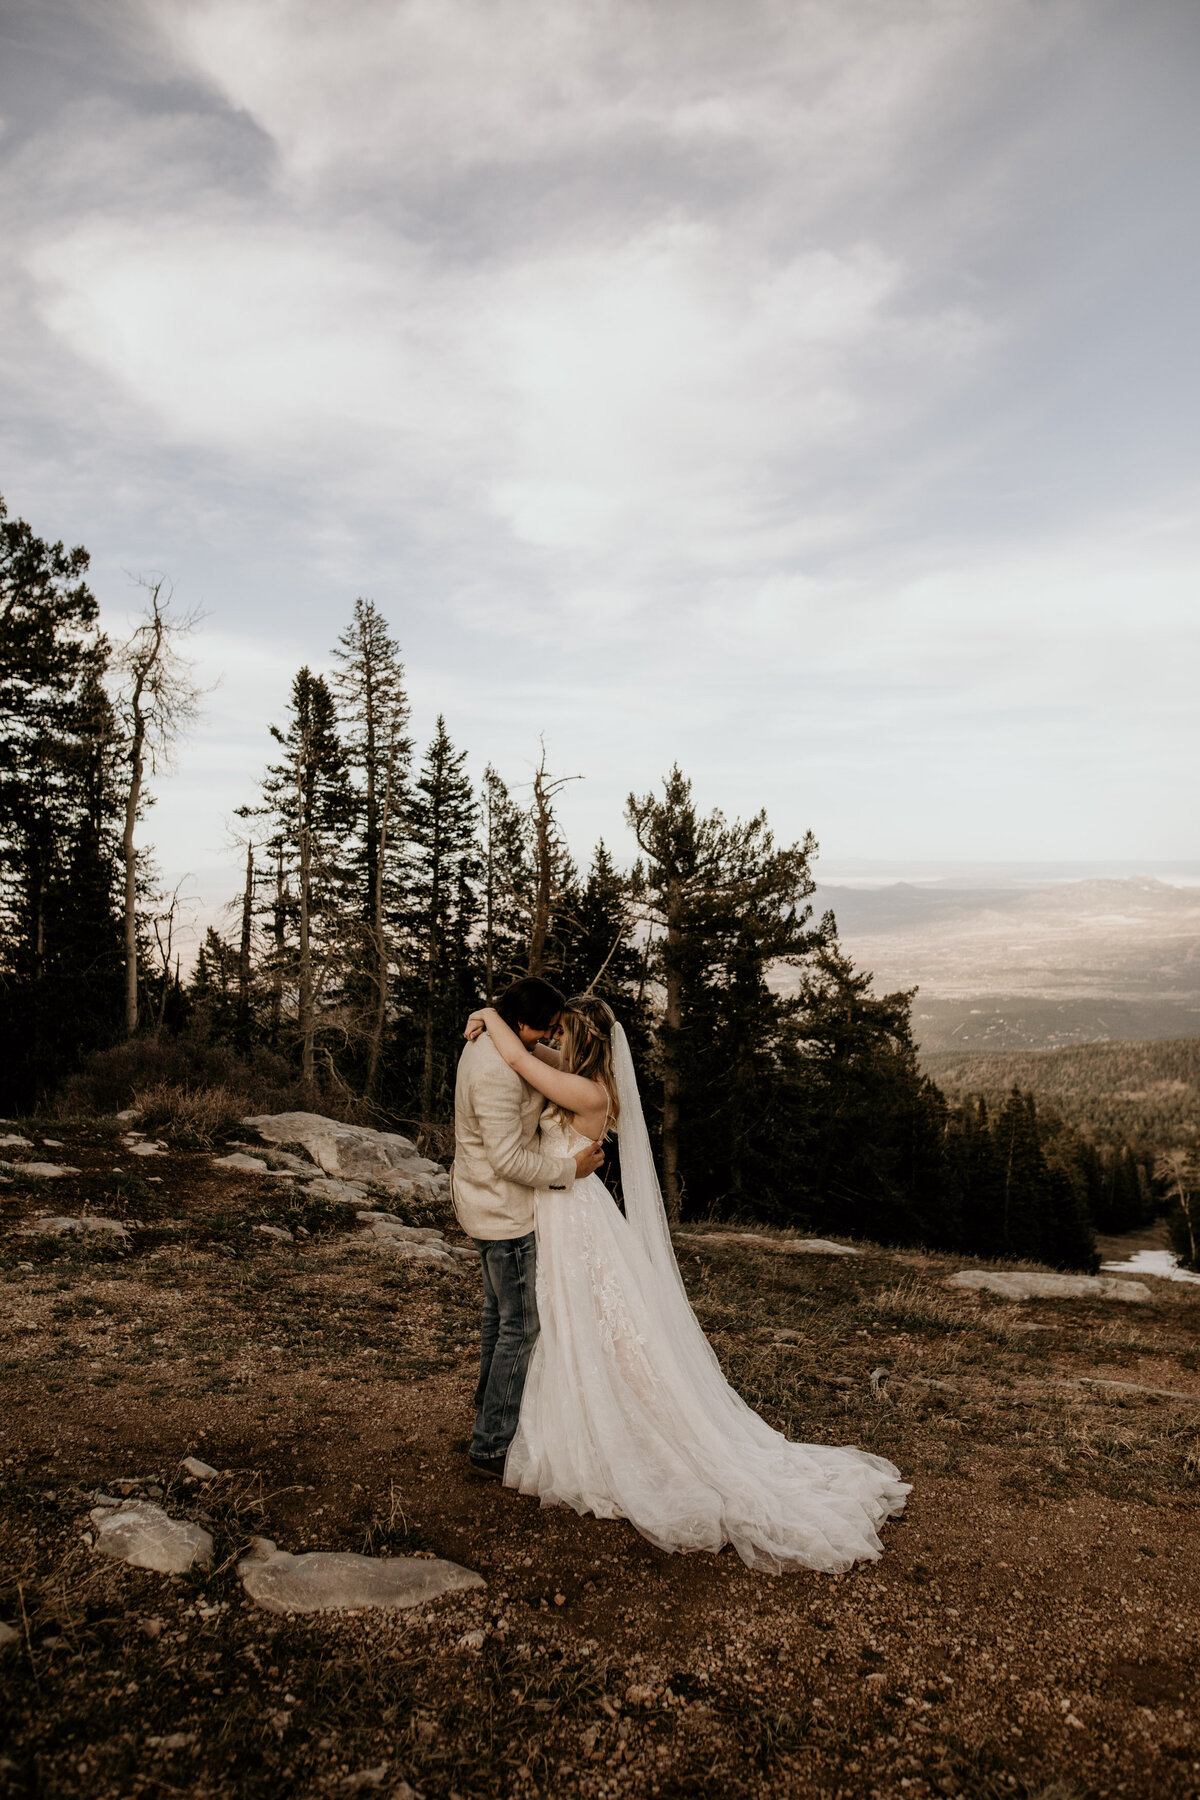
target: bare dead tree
<point>157,698</point>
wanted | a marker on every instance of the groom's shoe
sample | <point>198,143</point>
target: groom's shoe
<point>491,1468</point>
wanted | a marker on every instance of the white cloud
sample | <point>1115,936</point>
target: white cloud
<point>681,377</point>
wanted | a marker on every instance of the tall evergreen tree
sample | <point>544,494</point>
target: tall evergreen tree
<point>725,903</point>
<point>855,1101</point>
<point>375,712</point>
<point>1025,1177</point>
<point>58,805</point>
<point>306,797</point>
<point>505,881</point>
<point>443,872</point>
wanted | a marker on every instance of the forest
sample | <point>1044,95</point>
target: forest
<point>385,894</point>
<point>1148,1093</point>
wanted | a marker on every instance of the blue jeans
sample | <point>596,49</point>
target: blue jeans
<point>510,1329</point>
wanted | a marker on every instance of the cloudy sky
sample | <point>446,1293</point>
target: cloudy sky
<point>806,392</point>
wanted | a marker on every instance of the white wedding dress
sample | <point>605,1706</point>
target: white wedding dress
<point>626,1413</point>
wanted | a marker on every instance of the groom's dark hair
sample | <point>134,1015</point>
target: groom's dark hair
<point>532,1002</point>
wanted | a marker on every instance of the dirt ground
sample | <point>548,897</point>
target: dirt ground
<point>1029,1631</point>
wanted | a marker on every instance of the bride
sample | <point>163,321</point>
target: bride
<point>626,1413</point>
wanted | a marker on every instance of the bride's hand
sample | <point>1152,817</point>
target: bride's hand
<point>476,1026</point>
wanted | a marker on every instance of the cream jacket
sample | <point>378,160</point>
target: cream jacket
<point>497,1164</point>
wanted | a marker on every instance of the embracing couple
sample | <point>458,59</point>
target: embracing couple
<point>597,1387</point>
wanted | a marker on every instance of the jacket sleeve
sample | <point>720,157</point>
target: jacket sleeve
<point>497,1105</point>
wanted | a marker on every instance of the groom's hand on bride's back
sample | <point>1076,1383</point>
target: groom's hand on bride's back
<point>588,1160</point>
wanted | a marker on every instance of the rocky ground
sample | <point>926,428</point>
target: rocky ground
<point>1030,1630</point>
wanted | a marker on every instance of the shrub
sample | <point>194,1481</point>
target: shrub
<point>195,1116</point>
<point>191,1064</point>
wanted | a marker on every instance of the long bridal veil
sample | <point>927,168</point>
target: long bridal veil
<point>782,1504</point>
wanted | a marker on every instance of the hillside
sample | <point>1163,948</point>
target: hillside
<point>1148,1092</point>
<point>1028,1632</point>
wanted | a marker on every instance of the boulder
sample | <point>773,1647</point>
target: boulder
<point>337,1580</point>
<point>44,1226</point>
<point>1023,1284</point>
<point>241,1163</point>
<point>140,1533</point>
<point>347,1150</point>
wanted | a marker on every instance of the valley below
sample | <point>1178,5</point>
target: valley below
<point>1027,967</point>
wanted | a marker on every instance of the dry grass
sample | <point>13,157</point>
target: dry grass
<point>332,1384</point>
<point>193,1117</point>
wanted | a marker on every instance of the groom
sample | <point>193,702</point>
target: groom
<point>497,1166</point>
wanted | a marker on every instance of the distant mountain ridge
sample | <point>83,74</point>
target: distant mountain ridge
<point>1030,967</point>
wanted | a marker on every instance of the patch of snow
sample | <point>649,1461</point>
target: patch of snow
<point>1163,1263</point>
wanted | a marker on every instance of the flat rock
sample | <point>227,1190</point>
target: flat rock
<point>280,1232</point>
<point>347,1193</point>
<point>12,1140</point>
<point>789,1246</point>
<point>201,1470</point>
<point>242,1163</point>
<point>140,1533</point>
<point>58,1227</point>
<point>127,1114</point>
<point>1022,1284</point>
<point>44,1171</point>
<point>404,1248</point>
<point>388,1225</point>
<point>8,1634</point>
<point>346,1149</point>
<point>337,1580</point>
<point>145,1148</point>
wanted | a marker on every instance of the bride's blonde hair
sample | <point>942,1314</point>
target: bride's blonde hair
<point>588,1024</point>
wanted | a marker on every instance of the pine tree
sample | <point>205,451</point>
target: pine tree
<point>595,935</point>
<point>726,903</point>
<point>1068,1241</point>
<point>375,711</point>
<point>58,808</point>
<point>975,1180</point>
<point>1025,1181</point>
<point>855,1101</point>
<point>308,802</point>
<point>443,870</point>
<point>505,882</point>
